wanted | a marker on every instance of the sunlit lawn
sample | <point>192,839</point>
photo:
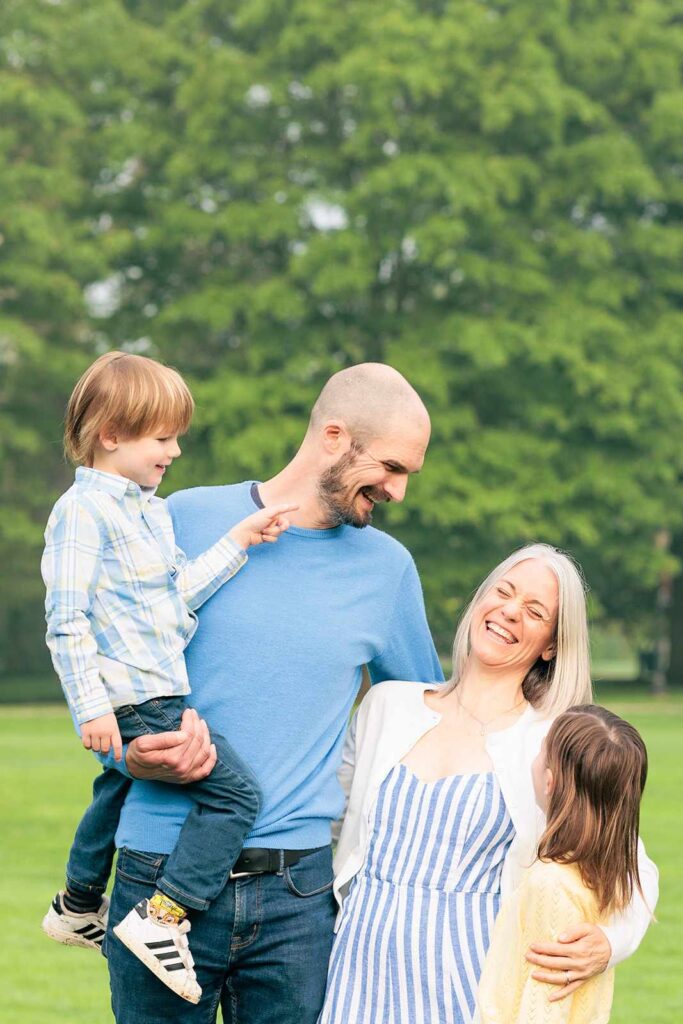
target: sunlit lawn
<point>45,785</point>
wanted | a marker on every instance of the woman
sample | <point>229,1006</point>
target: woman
<point>441,816</point>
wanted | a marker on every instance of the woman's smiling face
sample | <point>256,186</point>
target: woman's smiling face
<point>514,622</point>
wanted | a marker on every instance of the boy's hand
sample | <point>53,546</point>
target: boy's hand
<point>102,734</point>
<point>263,526</point>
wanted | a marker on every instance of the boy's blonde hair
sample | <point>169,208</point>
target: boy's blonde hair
<point>128,395</point>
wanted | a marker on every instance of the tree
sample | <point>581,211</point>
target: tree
<point>486,195</point>
<point>67,83</point>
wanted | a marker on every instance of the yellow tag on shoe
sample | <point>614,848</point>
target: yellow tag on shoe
<point>166,910</point>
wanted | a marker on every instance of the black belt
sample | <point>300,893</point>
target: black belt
<point>255,861</point>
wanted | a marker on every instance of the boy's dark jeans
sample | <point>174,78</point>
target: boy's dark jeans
<point>225,806</point>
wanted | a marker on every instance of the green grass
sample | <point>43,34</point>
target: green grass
<point>46,781</point>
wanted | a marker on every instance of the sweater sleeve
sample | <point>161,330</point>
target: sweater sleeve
<point>409,651</point>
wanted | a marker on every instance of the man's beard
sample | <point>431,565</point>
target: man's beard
<point>337,498</point>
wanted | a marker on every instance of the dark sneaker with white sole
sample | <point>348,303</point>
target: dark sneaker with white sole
<point>73,929</point>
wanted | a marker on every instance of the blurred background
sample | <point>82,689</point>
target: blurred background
<point>487,195</point>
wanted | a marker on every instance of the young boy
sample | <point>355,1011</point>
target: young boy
<point>120,607</point>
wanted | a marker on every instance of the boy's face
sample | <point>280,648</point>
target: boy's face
<point>141,459</point>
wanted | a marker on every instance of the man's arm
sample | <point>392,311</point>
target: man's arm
<point>409,651</point>
<point>70,566</point>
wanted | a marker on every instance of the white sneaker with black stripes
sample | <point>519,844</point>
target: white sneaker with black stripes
<point>73,929</point>
<point>163,948</point>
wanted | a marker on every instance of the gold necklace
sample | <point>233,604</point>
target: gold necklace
<point>483,726</point>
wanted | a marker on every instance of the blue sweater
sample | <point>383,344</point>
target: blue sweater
<point>275,664</point>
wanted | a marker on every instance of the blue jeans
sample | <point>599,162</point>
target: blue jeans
<point>211,839</point>
<point>260,950</point>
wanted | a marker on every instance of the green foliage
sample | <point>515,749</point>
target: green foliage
<point>487,196</point>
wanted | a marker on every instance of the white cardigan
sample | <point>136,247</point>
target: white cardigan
<point>391,719</point>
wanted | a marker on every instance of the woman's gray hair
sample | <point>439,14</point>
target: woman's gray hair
<point>565,680</point>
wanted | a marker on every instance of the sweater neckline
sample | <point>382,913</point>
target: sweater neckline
<point>295,531</point>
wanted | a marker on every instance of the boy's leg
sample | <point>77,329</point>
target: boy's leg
<point>78,916</point>
<point>92,851</point>
<point>225,807</point>
<point>93,848</point>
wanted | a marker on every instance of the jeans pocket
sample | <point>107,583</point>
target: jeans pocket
<point>136,866</point>
<point>312,875</point>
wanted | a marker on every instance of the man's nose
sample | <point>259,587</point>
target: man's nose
<point>396,487</point>
<point>174,450</point>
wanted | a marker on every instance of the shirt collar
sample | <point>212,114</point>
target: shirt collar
<point>89,479</point>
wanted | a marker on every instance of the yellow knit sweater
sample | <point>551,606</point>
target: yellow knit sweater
<point>550,899</point>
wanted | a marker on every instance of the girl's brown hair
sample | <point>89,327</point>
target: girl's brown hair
<point>599,767</point>
<point>125,394</point>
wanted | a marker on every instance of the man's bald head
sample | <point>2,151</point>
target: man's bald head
<point>371,399</point>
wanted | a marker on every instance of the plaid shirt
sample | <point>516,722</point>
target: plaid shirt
<point>121,595</point>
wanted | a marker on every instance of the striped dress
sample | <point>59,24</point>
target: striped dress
<point>417,922</point>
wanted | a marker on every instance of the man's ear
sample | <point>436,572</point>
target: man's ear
<point>336,438</point>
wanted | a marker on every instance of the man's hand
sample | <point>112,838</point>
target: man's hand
<point>183,756</point>
<point>578,954</point>
<point>102,734</point>
<point>264,526</point>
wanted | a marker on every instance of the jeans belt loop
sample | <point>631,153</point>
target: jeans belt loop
<point>281,867</point>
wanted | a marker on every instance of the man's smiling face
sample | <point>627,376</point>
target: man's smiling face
<point>366,476</point>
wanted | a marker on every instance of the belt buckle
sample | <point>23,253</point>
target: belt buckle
<point>243,874</point>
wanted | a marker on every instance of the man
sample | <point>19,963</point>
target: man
<point>275,667</point>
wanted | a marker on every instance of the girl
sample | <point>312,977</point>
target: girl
<point>588,778</point>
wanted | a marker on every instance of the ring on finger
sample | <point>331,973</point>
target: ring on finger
<point>567,979</point>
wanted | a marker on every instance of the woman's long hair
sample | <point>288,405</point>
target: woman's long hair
<point>599,767</point>
<point>565,680</point>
